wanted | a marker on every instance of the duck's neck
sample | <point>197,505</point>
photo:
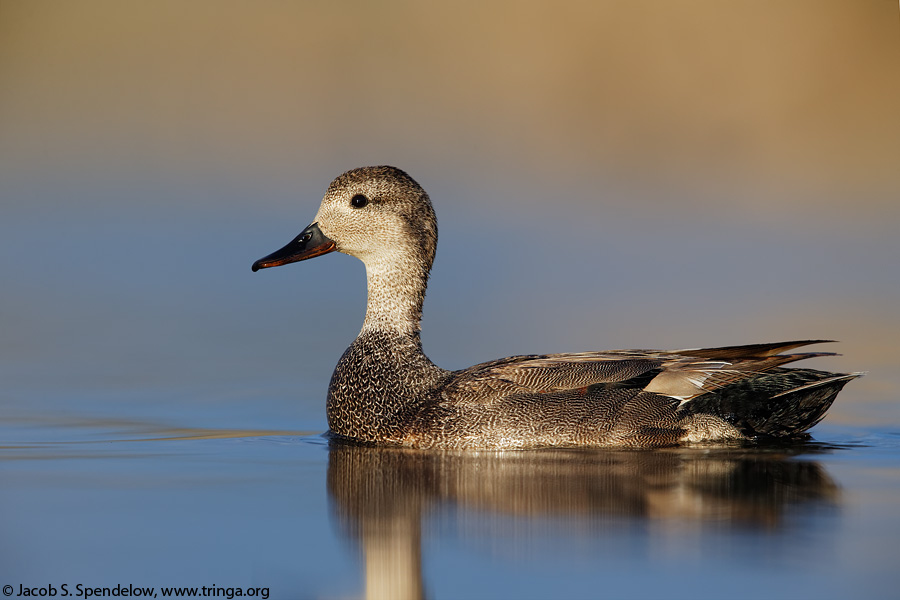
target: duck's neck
<point>396,293</point>
<point>384,378</point>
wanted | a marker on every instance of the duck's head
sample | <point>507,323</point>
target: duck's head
<point>377,214</point>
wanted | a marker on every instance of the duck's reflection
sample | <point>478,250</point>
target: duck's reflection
<point>380,495</point>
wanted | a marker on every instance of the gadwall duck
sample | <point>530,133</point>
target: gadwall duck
<point>384,389</point>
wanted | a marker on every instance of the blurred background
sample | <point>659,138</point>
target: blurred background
<point>607,174</point>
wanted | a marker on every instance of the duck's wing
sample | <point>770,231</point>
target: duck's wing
<point>543,373</point>
<point>638,398</point>
<point>679,374</point>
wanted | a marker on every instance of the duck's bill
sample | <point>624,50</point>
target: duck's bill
<point>310,243</point>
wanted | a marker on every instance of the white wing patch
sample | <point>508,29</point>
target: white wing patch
<point>688,378</point>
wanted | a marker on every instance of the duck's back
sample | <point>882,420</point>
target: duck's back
<point>626,398</point>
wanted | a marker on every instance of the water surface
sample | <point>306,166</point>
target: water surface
<point>105,502</point>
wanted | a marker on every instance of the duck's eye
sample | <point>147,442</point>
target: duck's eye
<point>358,201</point>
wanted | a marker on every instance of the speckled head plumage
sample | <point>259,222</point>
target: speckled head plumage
<point>395,212</point>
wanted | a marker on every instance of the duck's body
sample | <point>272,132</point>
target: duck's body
<point>385,390</point>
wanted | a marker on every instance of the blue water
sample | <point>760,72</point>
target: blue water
<point>118,502</point>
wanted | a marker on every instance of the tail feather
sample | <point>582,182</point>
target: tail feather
<point>779,402</point>
<point>837,377</point>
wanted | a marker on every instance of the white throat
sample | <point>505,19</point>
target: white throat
<point>396,287</point>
